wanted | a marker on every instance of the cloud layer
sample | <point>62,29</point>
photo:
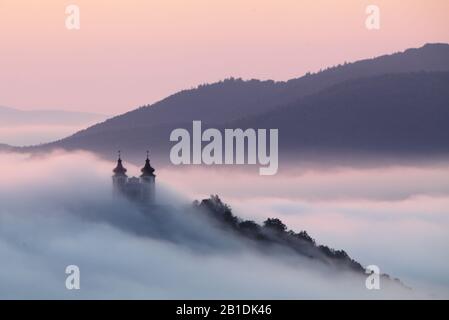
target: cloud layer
<point>57,210</point>
<point>394,216</point>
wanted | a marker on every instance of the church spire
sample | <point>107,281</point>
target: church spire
<point>119,170</point>
<point>147,170</point>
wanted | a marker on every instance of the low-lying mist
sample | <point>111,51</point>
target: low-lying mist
<point>57,210</point>
<point>394,215</point>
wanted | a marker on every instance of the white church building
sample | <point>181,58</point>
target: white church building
<point>140,189</point>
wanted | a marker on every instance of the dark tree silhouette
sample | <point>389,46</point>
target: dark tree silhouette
<point>220,210</point>
<point>275,224</point>
<point>303,235</point>
<point>274,231</point>
<point>249,226</point>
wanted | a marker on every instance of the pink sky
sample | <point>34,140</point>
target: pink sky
<point>130,53</point>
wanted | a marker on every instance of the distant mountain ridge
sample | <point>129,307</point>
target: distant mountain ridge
<point>270,104</point>
<point>235,98</point>
<point>31,127</point>
<point>392,113</point>
<point>5,147</point>
<point>12,116</point>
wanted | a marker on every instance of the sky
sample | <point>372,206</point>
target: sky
<point>132,53</point>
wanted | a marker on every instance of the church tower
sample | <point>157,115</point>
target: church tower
<point>147,179</point>
<point>119,178</point>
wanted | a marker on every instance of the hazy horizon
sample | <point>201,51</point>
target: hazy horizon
<point>19,127</point>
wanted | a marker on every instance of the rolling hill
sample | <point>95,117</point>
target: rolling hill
<point>393,113</point>
<point>392,103</point>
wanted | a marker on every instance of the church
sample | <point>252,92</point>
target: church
<point>139,189</point>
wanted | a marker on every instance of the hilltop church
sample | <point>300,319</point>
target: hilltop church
<point>140,189</point>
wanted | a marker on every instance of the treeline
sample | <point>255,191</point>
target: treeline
<point>273,232</point>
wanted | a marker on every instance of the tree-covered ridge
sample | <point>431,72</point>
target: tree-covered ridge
<point>363,107</point>
<point>273,232</point>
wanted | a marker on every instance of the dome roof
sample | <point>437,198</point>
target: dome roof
<point>147,170</point>
<point>119,170</point>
